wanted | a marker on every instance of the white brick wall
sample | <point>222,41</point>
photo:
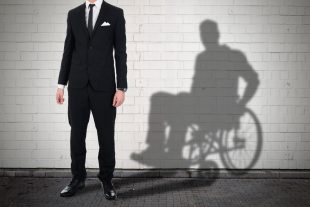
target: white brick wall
<point>163,43</point>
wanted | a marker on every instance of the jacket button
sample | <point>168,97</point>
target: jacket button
<point>90,47</point>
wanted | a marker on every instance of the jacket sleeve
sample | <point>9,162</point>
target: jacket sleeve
<point>67,54</point>
<point>120,51</point>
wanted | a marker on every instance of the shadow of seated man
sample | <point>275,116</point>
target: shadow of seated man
<point>213,103</point>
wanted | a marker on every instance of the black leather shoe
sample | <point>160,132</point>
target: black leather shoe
<point>108,190</point>
<point>72,188</point>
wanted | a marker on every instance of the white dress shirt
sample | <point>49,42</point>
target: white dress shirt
<point>96,10</point>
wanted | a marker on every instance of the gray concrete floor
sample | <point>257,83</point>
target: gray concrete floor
<point>149,192</point>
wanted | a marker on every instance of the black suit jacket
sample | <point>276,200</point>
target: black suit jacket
<point>91,57</point>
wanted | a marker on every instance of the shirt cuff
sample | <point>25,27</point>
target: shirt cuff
<point>61,86</point>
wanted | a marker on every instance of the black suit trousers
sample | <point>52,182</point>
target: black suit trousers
<point>82,101</point>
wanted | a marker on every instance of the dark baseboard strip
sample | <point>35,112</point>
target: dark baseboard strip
<point>162,173</point>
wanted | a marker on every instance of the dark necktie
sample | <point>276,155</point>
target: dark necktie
<point>90,19</point>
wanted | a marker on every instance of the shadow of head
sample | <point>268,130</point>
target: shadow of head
<point>209,32</point>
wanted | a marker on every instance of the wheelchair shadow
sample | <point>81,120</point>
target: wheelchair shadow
<point>212,107</point>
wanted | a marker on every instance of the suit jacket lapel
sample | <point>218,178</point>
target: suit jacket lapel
<point>82,20</point>
<point>101,16</point>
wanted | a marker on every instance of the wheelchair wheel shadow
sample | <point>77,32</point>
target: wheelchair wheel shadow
<point>207,126</point>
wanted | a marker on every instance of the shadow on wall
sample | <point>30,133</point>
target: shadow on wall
<point>212,119</point>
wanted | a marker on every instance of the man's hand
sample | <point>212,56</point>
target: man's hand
<point>60,96</point>
<point>119,98</point>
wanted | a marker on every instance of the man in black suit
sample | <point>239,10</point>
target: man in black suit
<point>94,29</point>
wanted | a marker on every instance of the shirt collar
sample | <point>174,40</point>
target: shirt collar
<point>97,3</point>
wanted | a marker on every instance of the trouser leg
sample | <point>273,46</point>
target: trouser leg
<point>78,115</point>
<point>104,115</point>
